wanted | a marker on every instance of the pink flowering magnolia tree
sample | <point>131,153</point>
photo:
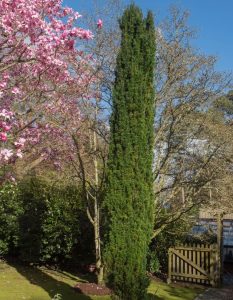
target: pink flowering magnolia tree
<point>45,78</point>
<point>42,72</point>
<point>11,147</point>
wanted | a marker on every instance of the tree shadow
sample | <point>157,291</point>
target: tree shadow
<point>82,278</point>
<point>83,275</point>
<point>48,283</point>
<point>164,291</point>
<point>154,297</point>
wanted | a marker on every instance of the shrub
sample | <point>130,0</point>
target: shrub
<point>49,225</point>
<point>173,234</point>
<point>153,264</point>
<point>44,224</point>
<point>61,227</point>
<point>10,211</point>
<point>33,198</point>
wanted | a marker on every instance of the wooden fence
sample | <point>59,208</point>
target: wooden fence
<point>194,263</point>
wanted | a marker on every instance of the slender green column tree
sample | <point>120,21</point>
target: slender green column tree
<point>129,192</point>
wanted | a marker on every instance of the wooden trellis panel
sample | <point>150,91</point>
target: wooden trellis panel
<point>194,263</point>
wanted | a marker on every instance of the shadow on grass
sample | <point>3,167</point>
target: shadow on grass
<point>161,291</point>
<point>154,297</point>
<point>83,276</point>
<point>51,285</point>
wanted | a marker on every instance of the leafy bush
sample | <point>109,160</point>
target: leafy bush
<point>10,211</point>
<point>153,264</point>
<point>61,227</point>
<point>49,225</point>
<point>33,197</point>
<point>44,223</point>
<point>172,235</point>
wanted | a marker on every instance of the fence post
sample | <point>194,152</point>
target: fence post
<point>212,266</point>
<point>220,246</point>
<point>169,278</point>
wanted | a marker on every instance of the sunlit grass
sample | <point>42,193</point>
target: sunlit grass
<point>26,283</point>
<point>172,292</point>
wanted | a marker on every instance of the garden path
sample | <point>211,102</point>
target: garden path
<point>217,294</point>
<point>225,293</point>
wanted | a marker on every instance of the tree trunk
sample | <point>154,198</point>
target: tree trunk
<point>99,264</point>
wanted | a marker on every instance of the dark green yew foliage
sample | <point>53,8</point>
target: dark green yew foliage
<point>129,189</point>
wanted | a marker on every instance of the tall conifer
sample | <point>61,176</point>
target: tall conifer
<point>129,192</point>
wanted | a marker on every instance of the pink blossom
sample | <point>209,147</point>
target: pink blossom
<point>41,61</point>
<point>100,24</point>
<point>70,44</point>
<point>20,143</point>
<point>77,15</point>
<point>6,114</point>
<point>6,154</point>
<point>5,127</point>
<point>3,136</point>
<point>6,76</point>
<point>15,91</point>
<point>3,84</point>
<point>19,153</point>
<point>12,179</point>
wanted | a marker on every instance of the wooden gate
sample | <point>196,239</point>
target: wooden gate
<point>194,264</point>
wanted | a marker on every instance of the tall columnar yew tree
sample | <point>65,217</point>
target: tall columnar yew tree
<point>129,192</point>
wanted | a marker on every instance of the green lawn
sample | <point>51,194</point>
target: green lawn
<point>26,283</point>
<point>163,291</point>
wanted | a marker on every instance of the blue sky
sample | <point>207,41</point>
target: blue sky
<point>212,19</point>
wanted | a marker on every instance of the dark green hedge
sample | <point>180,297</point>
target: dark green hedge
<point>44,223</point>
